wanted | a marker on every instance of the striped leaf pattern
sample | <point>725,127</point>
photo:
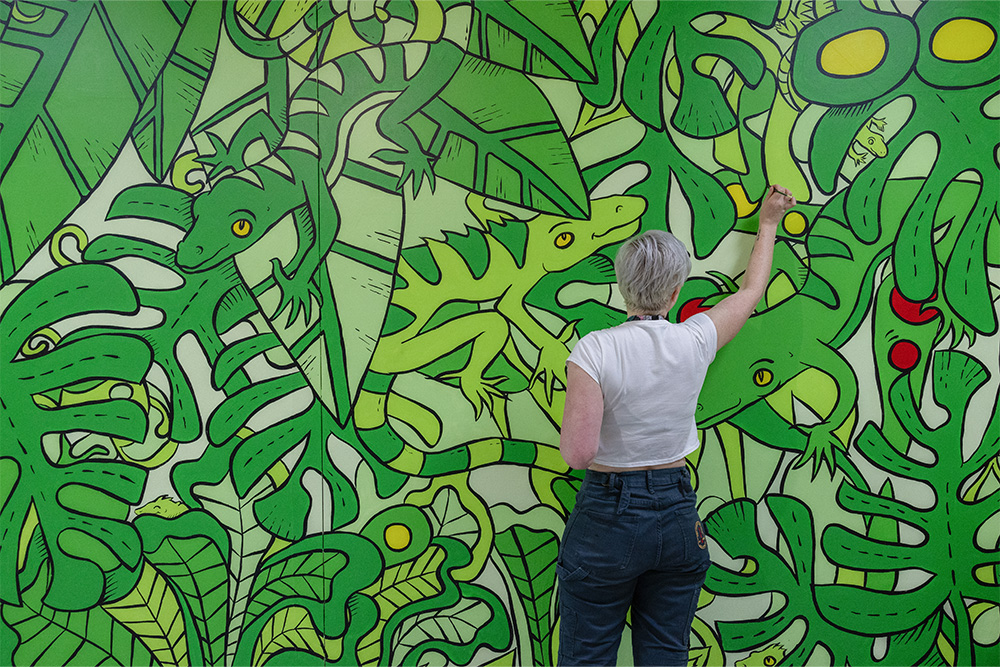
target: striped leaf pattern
<point>152,612</point>
<point>292,628</point>
<point>197,569</point>
<point>530,556</point>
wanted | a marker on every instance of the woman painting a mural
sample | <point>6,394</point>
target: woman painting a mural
<point>634,538</point>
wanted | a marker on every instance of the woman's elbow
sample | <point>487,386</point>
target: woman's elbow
<point>577,456</point>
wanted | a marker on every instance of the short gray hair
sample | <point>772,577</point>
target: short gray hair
<point>649,267</point>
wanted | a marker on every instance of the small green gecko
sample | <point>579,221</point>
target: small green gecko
<point>869,140</point>
<point>164,506</point>
<point>766,657</point>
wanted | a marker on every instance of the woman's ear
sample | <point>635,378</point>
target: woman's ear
<point>673,297</point>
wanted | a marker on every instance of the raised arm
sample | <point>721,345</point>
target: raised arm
<point>730,314</point>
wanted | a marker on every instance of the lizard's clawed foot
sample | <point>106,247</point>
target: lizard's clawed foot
<point>415,165</point>
<point>821,448</point>
<point>551,366</point>
<point>297,292</point>
<point>479,391</point>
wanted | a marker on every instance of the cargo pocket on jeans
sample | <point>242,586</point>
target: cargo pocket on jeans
<point>567,576</point>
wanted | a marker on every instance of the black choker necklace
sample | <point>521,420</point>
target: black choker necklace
<point>633,318</point>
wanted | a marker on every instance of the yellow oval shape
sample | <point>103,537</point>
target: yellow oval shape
<point>242,228</point>
<point>564,240</point>
<point>744,207</point>
<point>763,377</point>
<point>794,223</point>
<point>397,537</point>
<point>854,53</point>
<point>962,40</point>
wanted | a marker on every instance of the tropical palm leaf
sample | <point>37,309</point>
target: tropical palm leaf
<point>94,554</point>
<point>103,55</point>
<point>508,147</point>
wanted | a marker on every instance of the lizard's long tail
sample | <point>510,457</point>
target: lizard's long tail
<point>397,459</point>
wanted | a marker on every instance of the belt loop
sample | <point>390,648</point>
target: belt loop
<point>624,494</point>
<point>649,481</point>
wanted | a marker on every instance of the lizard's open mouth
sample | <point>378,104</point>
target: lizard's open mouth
<point>630,223</point>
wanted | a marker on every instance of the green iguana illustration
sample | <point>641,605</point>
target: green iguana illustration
<point>484,278</point>
<point>296,177</point>
<point>240,208</point>
<point>765,356</point>
<point>766,657</point>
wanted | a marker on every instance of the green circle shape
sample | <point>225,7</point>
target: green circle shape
<point>931,19</point>
<point>814,84</point>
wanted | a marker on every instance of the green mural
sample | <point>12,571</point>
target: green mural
<point>288,290</point>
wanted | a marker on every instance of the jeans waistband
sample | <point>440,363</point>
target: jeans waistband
<point>634,480</point>
<point>657,477</point>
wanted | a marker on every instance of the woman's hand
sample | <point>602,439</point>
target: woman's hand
<point>776,202</point>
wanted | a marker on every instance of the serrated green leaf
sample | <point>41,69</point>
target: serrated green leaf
<point>530,557</point>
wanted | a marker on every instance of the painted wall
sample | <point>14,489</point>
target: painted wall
<point>288,290</point>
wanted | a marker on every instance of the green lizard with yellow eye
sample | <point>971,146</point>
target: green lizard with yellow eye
<point>767,657</point>
<point>241,207</point>
<point>869,140</point>
<point>463,296</point>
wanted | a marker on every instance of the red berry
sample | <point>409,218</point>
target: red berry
<point>914,312</point>
<point>904,355</point>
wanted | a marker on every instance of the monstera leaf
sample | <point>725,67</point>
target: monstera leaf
<point>80,499</point>
<point>734,527</point>
<point>702,110</point>
<point>105,57</point>
<point>44,635</point>
<point>970,571</point>
<point>203,304</point>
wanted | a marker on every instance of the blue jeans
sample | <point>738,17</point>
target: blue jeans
<point>633,539</point>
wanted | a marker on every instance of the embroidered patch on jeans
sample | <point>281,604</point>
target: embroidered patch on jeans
<point>700,534</point>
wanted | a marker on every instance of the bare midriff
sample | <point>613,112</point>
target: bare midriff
<point>597,467</point>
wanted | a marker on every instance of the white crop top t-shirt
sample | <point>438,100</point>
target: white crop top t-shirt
<point>650,372</point>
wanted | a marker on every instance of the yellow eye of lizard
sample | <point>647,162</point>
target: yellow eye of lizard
<point>769,660</point>
<point>242,227</point>
<point>763,377</point>
<point>564,240</point>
